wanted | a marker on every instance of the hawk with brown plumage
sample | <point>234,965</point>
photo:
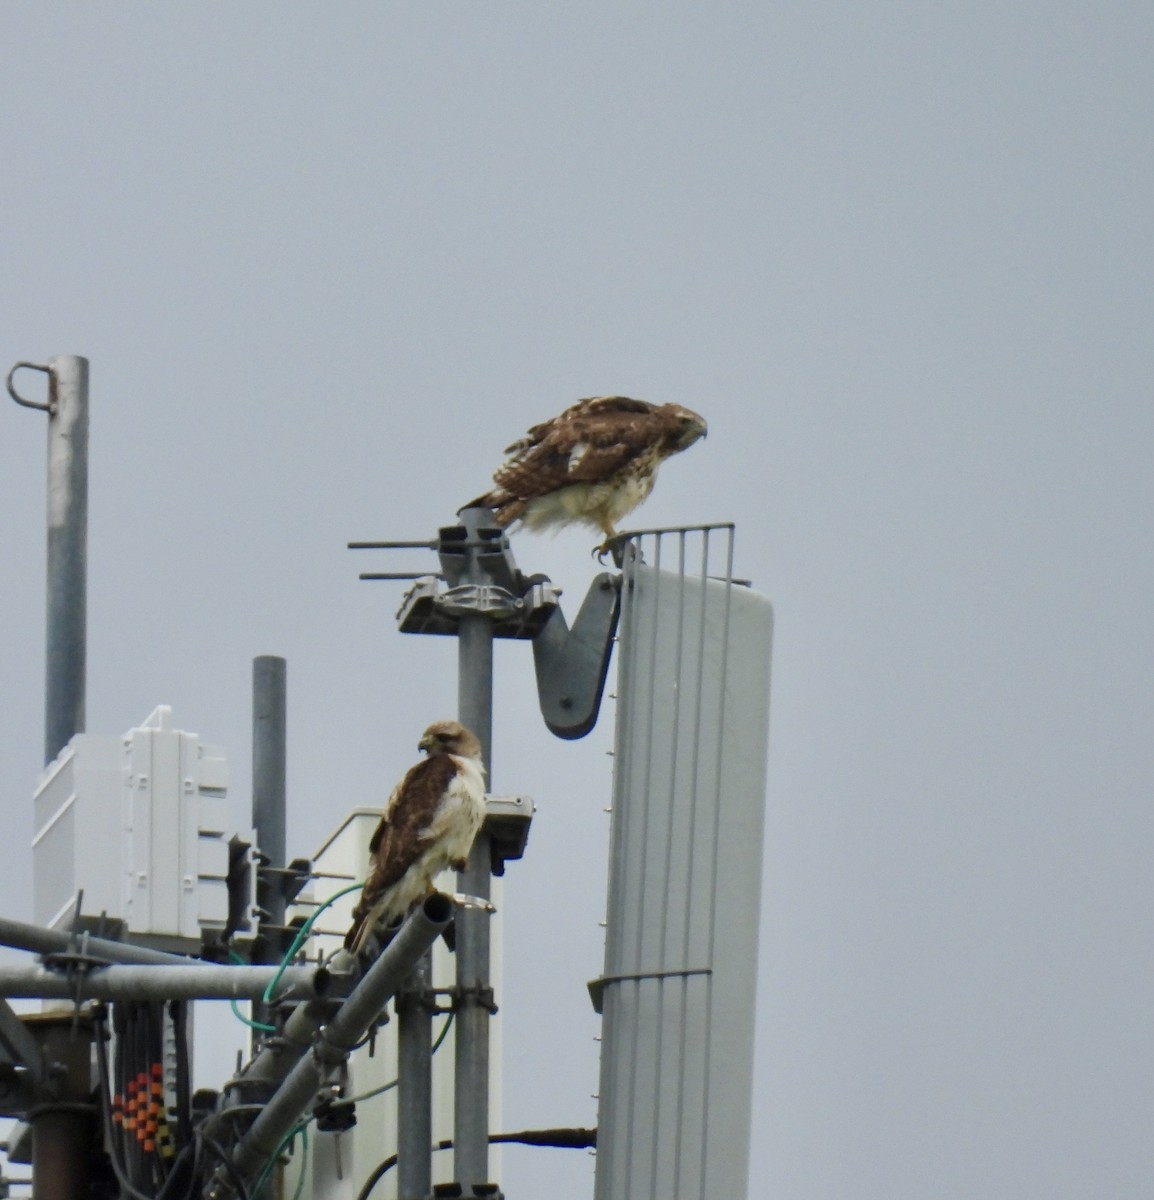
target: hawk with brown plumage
<point>592,465</point>
<point>428,825</point>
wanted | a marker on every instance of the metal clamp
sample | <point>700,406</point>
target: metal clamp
<point>426,999</point>
<point>43,407</point>
<point>482,995</point>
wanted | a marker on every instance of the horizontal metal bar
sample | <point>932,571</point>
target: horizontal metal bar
<point>626,534</point>
<point>204,981</point>
<point>490,544</point>
<point>410,575</point>
<point>22,936</point>
<point>637,975</point>
<point>597,986</point>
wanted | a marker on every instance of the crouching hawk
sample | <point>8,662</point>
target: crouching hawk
<point>428,824</point>
<point>592,465</point>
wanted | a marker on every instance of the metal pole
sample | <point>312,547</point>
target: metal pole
<point>475,682</point>
<point>36,938</point>
<point>474,993</point>
<point>67,550</point>
<point>415,1086</point>
<point>62,1136</point>
<point>268,762</point>
<point>201,981</point>
<point>269,757</point>
<point>63,1141</point>
<point>57,1175</point>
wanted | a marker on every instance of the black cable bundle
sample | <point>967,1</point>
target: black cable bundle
<point>145,1156</point>
<point>113,1096</point>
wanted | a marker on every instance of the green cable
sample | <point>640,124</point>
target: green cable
<point>386,1087</point>
<point>303,933</point>
<point>284,1147</point>
<point>304,1161</point>
<point>236,958</point>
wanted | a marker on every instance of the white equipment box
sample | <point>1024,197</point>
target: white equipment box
<point>138,822</point>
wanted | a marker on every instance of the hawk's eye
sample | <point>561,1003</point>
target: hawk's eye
<point>444,737</point>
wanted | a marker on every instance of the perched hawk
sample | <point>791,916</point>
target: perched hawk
<point>428,824</point>
<point>593,464</point>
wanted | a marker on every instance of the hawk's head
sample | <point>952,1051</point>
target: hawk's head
<point>686,427</point>
<point>450,737</point>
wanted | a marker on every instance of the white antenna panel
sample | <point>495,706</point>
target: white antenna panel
<point>678,992</point>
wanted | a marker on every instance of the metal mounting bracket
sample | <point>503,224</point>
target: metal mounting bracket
<point>479,577</point>
<point>572,663</point>
<point>518,607</point>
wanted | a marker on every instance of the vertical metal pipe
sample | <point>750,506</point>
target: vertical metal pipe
<point>64,1136</point>
<point>269,756</point>
<point>67,550</point>
<point>415,1086</point>
<point>61,1140</point>
<point>61,1158</point>
<point>475,680</point>
<point>471,1112</point>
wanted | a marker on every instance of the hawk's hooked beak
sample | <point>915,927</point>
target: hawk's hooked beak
<point>426,744</point>
<point>692,431</point>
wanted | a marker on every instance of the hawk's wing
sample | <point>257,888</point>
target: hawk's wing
<point>589,442</point>
<point>606,407</point>
<point>404,829</point>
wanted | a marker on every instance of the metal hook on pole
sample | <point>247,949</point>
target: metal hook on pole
<point>45,406</point>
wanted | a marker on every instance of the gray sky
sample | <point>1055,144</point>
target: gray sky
<point>326,264</point>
